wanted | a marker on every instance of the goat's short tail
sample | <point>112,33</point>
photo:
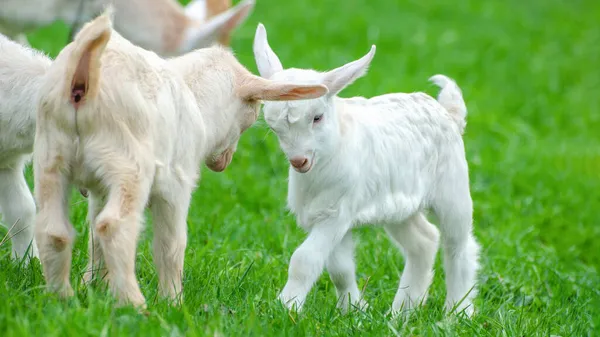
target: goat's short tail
<point>83,68</point>
<point>450,97</point>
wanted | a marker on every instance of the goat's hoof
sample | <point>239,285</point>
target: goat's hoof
<point>63,292</point>
<point>361,305</point>
<point>403,311</point>
<point>346,307</point>
<point>290,302</point>
<point>466,309</point>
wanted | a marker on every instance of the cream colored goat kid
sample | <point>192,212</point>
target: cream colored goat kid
<point>21,73</point>
<point>381,161</point>
<point>163,26</point>
<point>133,128</point>
<point>22,70</point>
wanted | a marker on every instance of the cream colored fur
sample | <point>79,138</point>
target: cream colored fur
<point>133,128</point>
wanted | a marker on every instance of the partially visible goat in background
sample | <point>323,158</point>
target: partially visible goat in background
<point>21,72</point>
<point>381,161</point>
<point>132,128</point>
<point>162,26</point>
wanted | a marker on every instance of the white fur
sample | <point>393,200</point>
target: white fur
<point>163,26</point>
<point>137,136</point>
<point>21,73</point>
<point>379,161</point>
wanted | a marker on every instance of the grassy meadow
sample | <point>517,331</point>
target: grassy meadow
<point>529,74</point>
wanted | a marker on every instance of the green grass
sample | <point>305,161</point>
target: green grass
<point>529,73</point>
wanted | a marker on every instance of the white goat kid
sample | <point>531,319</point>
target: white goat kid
<point>163,26</point>
<point>132,128</point>
<point>21,73</point>
<point>379,161</point>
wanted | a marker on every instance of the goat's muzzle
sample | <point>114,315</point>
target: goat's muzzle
<point>220,162</point>
<point>301,164</point>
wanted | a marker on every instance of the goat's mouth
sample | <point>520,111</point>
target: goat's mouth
<point>220,162</point>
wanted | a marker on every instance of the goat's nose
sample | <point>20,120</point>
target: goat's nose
<point>298,162</point>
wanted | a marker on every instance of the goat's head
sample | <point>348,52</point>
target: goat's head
<point>240,106</point>
<point>306,129</point>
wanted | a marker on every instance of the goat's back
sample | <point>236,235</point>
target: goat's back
<point>394,149</point>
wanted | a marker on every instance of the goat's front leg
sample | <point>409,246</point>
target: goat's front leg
<point>95,266</point>
<point>308,261</point>
<point>53,231</point>
<point>169,215</point>
<point>117,227</point>
<point>342,271</point>
<point>18,210</point>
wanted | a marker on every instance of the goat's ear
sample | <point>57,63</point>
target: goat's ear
<point>218,28</point>
<point>83,68</point>
<point>267,62</point>
<point>259,89</point>
<point>337,79</point>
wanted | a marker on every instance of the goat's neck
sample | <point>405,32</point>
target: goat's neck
<point>216,121</point>
<point>212,106</point>
<point>211,98</point>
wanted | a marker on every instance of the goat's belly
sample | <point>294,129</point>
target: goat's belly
<point>392,208</point>
<point>12,158</point>
<point>14,145</point>
<point>82,175</point>
<point>84,178</point>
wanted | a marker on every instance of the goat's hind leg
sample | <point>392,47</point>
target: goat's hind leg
<point>53,231</point>
<point>454,208</point>
<point>18,210</point>
<point>418,239</point>
<point>117,227</point>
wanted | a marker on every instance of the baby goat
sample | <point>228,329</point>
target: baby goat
<point>163,26</point>
<point>21,73</point>
<point>132,128</point>
<point>379,161</point>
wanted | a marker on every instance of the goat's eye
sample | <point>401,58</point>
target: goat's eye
<point>317,118</point>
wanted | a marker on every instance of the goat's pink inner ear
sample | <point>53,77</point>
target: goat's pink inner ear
<point>311,92</point>
<point>79,83</point>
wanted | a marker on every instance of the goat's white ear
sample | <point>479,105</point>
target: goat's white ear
<point>217,28</point>
<point>256,88</point>
<point>266,61</point>
<point>337,79</point>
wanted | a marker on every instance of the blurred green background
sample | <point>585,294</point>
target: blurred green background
<point>529,75</point>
